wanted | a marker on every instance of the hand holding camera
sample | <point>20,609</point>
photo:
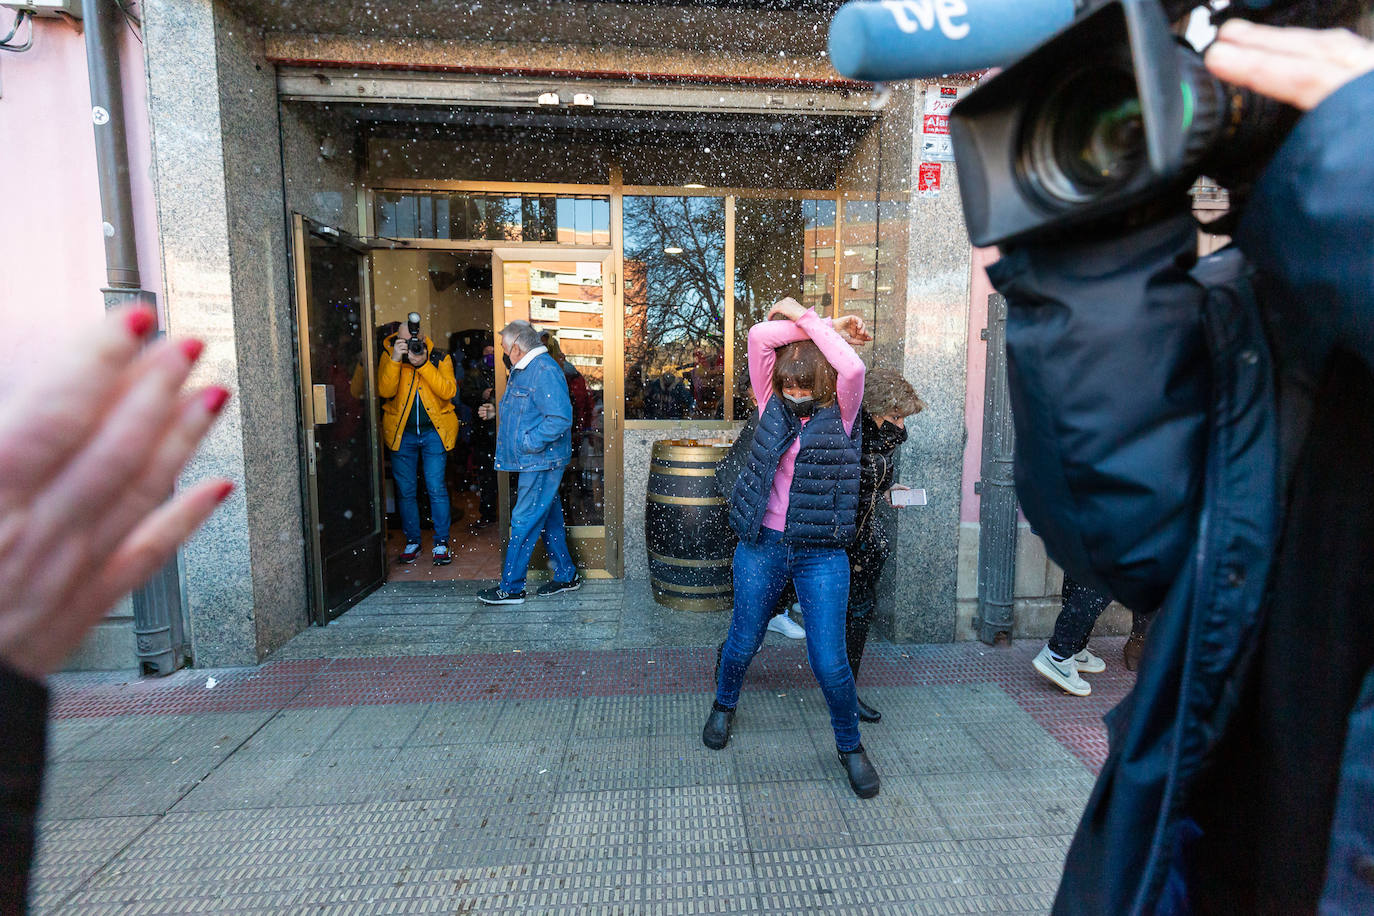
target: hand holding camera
<point>1300,67</point>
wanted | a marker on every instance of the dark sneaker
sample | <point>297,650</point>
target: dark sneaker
<point>553,588</point>
<point>716,733</point>
<point>441,555</point>
<point>498,595</point>
<point>863,779</point>
<point>411,553</point>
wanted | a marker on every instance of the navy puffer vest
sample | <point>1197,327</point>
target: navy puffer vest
<point>824,500</point>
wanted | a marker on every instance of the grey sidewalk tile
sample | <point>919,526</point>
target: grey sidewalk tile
<point>148,786</point>
<point>1019,743</point>
<point>214,734</point>
<point>534,720</point>
<point>763,757</point>
<point>907,707</point>
<point>456,723</point>
<point>610,826</point>
<point>696,821</point>
<point>296,731</point>
<point>678,713</point>
<point>68,784</point>
<point>597,764</point>
<point>977,702</point>
<point>940,746</point>
<point>378,726</point>
<point>1057,795</point>
<point>793,815</point>
<point>900,813</point>
<point>69,852</point>
<point>243,781</point>
<point>611,717</point>
<point>983,805</point>
<point>682,760</point>
<point>66,735</point>
<point>128,738</point>
<point>767,711</point>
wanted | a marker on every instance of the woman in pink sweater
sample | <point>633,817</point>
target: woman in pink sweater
<point>794,507</point>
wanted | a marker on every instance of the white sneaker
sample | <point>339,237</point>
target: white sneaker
<point>1064,674</point>
<point>1087,663</point>
<point>787,627</point>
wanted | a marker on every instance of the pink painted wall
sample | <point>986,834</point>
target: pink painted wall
<point>52,252</point>
<point>977,367</point>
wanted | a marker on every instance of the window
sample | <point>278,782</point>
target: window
<point>674,308</point>
<point>495,218</point>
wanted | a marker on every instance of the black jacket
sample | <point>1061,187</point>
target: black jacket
<point>877,470</point>
<point>23,735</point>
<point>1201,439</point>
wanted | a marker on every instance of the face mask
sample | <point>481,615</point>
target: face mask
<point>890,435</point>
<point>506,359</point>
<point>490,360</point>
<point>800,407</point>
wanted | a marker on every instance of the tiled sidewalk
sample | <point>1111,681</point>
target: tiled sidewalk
<point>565,782</point>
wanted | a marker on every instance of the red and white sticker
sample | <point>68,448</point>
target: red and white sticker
<point>935,142</point>
<point>928,179</point>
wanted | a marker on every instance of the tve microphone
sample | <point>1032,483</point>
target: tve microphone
<point>881,40</point>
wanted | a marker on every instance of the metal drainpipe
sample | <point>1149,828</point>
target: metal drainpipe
<point>997,489</point>
<point>159,632</point>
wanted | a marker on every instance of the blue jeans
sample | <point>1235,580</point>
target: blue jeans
<point>414,447</point>
<point>821,577</point>
<point>538,512</point>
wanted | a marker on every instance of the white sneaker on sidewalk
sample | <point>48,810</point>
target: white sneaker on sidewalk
<point>787,627</point>
<point>1087,663</point>
<point>1064,674</point>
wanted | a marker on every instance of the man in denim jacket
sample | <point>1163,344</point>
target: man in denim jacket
<point>533,439</point>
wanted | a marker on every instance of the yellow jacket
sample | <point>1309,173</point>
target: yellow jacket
<point>398,384</point>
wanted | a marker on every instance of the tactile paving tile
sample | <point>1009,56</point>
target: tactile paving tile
<point>607,826</point>
<point>931,747</point>
<point>611,717</point>
<point>69,852</point>
<point>793,815</point>
<point>983,805</point>
<point>696,820</point>
<point>524,719</point>
<point>596,764</point>
<point>682,760</point>
<point>763,757</point>
<point>1018,742</point>
<point>377,726</point>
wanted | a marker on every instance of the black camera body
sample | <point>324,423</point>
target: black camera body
<point>1103,125</point>
<point>416,344</point>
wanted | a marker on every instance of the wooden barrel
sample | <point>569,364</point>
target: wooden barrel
<point>690,542</point>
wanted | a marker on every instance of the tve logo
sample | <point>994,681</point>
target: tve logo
<point>916,15</point>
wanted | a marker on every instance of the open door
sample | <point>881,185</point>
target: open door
<point>337,362</point>
<point>568,293</point>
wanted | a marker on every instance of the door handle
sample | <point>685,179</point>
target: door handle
<point>310,452</point>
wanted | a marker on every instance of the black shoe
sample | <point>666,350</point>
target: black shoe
<point>483,523</point>
<point>497,595</point>
<point>716,734</point>
<point>553,588</point>
<point>868,713</point>
<point>863,779</point>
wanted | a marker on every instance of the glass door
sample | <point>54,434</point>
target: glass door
<point>337,362</point>
<point>568,295</point>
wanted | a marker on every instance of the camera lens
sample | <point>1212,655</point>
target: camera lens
<point>1086,139</point>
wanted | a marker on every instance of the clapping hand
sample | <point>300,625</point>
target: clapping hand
<point>90,449</point>
<point>852,329</point>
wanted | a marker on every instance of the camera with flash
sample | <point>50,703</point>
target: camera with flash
<point>416,343</point>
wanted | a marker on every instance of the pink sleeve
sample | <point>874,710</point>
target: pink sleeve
<point>849,368</point>
<point>764,340</point>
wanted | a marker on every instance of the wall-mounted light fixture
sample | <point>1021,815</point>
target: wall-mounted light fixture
<point>583,99</point>
<point>548,98</point>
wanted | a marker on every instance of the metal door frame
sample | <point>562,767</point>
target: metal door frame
<point>301,226</point>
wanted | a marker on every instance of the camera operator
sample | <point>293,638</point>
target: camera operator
<point>417,385</point>
<point>1199,436</point>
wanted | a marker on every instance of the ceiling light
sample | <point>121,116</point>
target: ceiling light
<point>694,185</point>
<point>672,249</point>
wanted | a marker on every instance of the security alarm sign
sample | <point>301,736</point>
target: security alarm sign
<point>928,179</point>
<point>935,143</point>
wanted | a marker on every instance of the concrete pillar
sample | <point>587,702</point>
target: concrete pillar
<point>217,169</point>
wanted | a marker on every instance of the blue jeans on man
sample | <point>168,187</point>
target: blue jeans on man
<point>538,512</point>
<point>821,578</point>
<point>424,447</point>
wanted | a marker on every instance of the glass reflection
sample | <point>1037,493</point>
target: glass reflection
<point>493,218</point>
<point>564,299</point>
<point>674,308</point>
<point>782,248</point>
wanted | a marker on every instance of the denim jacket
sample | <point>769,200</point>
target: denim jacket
<point>534,421</point>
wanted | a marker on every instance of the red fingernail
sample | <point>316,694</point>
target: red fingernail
<point>140,322</point>
<point>215,398</point>
<point>221,494</point>
<point>192,348</point>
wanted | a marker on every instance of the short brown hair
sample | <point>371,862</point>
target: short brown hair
<point>887,394</point>
<point>803,365</point>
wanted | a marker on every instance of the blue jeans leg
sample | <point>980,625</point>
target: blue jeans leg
<point>435,458</point>
<point>403,468</point>
<point>821,577</point>
<point>537,493</point>
<point>555,535</point>
<point>760,571</point>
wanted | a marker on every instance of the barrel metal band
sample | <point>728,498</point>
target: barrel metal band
<point>694,564</point>
<point>725,589</point>
<point>686,500</point>
<point>657,468</point>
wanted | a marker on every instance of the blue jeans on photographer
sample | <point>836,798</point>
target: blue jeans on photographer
<point>821,578</point>
<point>538,512</point>
<point>423,447</point>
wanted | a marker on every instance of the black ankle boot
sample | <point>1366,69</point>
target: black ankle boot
<point>868,713</point>
<point>716,734</point>
<point>863,779</point>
